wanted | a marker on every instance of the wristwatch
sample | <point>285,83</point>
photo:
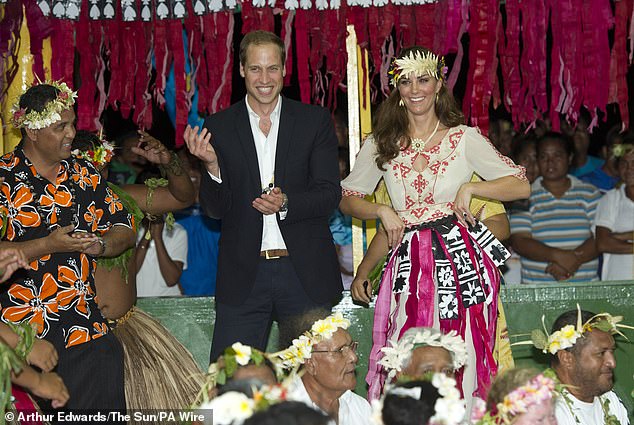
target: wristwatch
<point>284,206</point>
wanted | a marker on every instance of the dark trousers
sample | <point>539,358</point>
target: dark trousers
<point>277,294</point>
<point>93,374</point>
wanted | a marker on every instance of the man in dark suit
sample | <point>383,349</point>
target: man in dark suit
<point>271,174</point>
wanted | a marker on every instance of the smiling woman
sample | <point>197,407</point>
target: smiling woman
<point>427,158</point>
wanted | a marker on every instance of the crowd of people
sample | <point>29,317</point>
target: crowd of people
<point>83,237</point>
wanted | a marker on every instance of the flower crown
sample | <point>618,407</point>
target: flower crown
<point>395,357</point>
<point>538,390</point>
<point>567,336</point>
<point>621,149</point>
<point>449,408</point>
<point>295,355</point>
<point>35,120</point>
<point>233,357</point>
<point>234,407</point>
<point>420,64</point>
<point>99,154</point>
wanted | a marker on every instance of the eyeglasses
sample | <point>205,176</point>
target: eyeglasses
<point>352,347</point>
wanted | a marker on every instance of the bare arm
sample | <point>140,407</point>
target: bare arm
<point>378,249</point>
<point>117,240</point>
<point>498,225</point>
<point>366,210</point>
<point>508,188</point>
<point>178,194</point>
<point>614,243</point>
<point>170,270</point>
<point>47,385</point>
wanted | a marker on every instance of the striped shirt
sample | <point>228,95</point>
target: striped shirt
<point>564,223</point>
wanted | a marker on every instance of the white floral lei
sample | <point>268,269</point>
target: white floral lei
<point>394,357</point>
<point>295,355</point>
<point>34,120</point>
<point>449,408</point>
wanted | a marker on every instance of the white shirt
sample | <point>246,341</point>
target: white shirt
<point>149,280</point>
<point>353,409</point>
<point>265,147</point>
<point>616,213</point>
<point>589,413</point>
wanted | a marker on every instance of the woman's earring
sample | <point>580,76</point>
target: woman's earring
<point>400,103</point>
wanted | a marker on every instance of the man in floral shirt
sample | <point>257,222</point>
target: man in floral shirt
<point>62,215</point>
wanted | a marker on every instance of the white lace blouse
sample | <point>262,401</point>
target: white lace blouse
<point>427,195</point>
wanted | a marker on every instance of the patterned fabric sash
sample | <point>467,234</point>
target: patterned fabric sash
<point>463,263</point>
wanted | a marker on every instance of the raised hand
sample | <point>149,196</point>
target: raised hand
<point>199,145</point>
<point>152,149</point>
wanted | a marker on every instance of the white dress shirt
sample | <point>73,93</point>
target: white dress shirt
<point>265,147</point>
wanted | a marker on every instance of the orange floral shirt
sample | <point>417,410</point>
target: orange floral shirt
<point>57,296</point>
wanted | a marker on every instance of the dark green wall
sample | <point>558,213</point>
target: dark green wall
<point>191,321</point>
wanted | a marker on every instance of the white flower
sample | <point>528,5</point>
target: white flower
<point>243,353</point>
<point>229,407</point>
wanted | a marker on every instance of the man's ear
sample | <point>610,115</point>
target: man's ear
<point>310,367</point>
<point>566,358</point>
<point>242,73</point>
<point>30,133</point>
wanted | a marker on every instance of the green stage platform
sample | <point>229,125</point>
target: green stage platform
<point>191,321</point>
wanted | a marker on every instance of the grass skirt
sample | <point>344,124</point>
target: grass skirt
<point>160,373</point>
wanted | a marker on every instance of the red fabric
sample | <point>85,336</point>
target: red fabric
<point>113,44</point>
<point>534,15</point>
<point>24,403</point>
<point>256,18</point>
<point>162,59</point>
<point>567,60</point>
<point>509,50</point>
<point>210,63</point>
<point>222,95</point>
<point>128,58</point>
<point>597,19</point>
<point>425,23</point>
<point>86,95</point>
<point>483,26</point>
<point>175,46</point>
<point>618,91</point>
<point>302,49</point>
<point>142,98</point>
<point>63,54</point>
<point>287,32</point>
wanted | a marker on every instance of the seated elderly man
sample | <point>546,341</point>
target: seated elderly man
<point>326,358</point>
<point>582,349</point>
<point>423,350</point>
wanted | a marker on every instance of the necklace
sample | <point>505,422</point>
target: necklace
<point>419,144</point>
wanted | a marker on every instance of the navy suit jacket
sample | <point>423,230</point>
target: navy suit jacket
<point>307,171</point>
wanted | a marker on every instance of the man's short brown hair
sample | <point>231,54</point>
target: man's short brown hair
<point>258,38</point>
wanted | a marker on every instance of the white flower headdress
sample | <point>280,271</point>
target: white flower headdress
<point>567,336</point>
<point>620,149</point>
<point>419,64</point>
<point>226,366</point>
<point>34,120</point>
<point>449,408</point>
<point>295,355</point>
<point>395,357</point>
<point>233,408</point>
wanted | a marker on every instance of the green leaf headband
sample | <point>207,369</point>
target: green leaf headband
<point>567,336</point>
